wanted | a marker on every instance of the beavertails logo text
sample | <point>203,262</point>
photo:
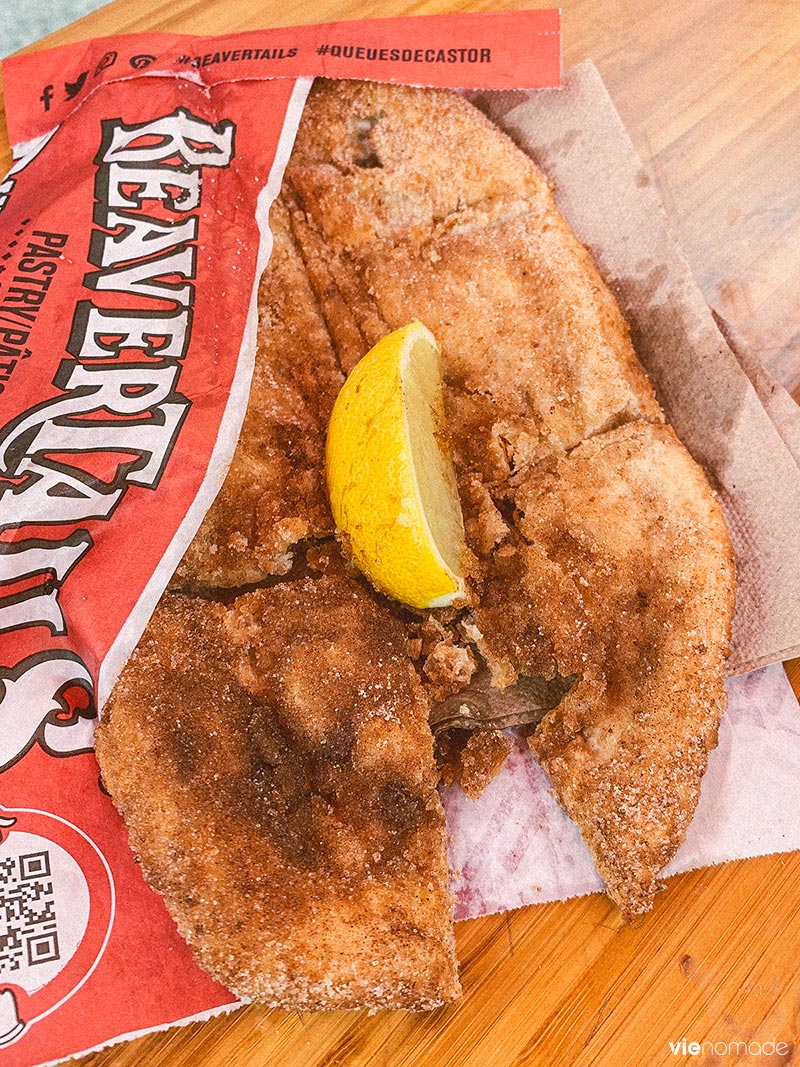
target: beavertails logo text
<point>117,409</point>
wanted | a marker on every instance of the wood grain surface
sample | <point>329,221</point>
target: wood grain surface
<point>709,91</point>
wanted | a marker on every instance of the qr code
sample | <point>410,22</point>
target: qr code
<point>28,934</point>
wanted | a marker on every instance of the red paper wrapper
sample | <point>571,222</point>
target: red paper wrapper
<point>132,237</point>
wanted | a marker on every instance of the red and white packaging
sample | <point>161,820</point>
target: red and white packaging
<point>132,238</point>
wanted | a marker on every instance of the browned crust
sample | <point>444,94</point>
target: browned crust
<point>636,541</point>
<point>274,494</point>
<point>273,763</point>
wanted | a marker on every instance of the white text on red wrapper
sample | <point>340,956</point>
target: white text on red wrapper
<point>118,393</point>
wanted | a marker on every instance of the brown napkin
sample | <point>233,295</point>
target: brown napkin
<point>745,433</point>
<point>778,402</point>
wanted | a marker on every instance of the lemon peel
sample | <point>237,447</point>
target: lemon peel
<point>391,481</point>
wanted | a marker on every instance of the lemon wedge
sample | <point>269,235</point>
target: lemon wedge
<point>391,482</point>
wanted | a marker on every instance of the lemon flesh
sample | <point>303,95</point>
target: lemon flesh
<point>391,481</point>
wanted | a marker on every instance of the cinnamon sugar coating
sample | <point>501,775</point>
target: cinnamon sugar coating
<point>273,762</point>
<point>274,493</point>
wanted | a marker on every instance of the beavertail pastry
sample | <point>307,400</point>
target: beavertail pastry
<point>273,762</point>
<point>270,748</point>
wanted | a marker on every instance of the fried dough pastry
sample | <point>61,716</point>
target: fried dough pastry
<point>270,750</point>
<point>274,494</point>
<point>627,571</point>
<point>274,765</point>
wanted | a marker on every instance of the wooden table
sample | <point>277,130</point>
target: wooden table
<point>710,93</point>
